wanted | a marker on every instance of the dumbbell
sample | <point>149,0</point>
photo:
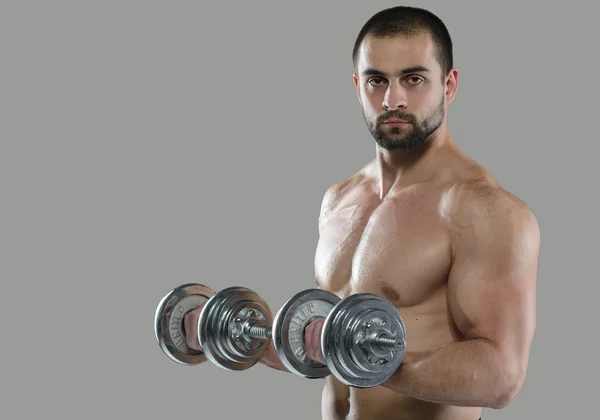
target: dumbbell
<point>363,338</point>
<point>234,328</point>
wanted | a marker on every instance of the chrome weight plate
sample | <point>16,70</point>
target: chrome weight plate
<point>288,330</point>
<point>364,340</point>
<point>225,325</point>
<point>168,321</point>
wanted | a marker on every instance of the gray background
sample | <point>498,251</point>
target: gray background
<point>145,144</point>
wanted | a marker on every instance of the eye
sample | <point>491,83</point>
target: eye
<point>414,80</point>
<point>375,81</point>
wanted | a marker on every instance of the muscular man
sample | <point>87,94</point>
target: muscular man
<point>431,230</point>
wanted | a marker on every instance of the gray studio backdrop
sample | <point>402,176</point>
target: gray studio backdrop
<point>145,144</point>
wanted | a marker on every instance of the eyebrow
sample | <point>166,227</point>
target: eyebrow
<point>403,72</point>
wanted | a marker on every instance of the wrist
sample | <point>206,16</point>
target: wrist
<point>400,380</point>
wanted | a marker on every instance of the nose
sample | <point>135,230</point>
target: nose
<point>395,97</point>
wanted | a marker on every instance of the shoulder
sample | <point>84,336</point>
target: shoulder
<point>480,212</point>
<point>480,198</point>
<point>471,194</point>
<point>336,193</point>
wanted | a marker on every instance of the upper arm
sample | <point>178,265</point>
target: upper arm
<point>495,245</point>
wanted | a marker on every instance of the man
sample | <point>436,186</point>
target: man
<point>426,227</point>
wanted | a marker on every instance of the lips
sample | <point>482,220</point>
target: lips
<point>395,121</point>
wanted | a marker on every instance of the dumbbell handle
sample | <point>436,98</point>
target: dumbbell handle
<point>260,331</point>
<point>386,342</point>
<point>253,330</point>
<point>264,332</point>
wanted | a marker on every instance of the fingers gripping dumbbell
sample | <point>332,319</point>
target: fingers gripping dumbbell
<point>363,338</point>
<point>234,328</point>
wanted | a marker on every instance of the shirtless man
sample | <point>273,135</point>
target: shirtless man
<point>426,227</point>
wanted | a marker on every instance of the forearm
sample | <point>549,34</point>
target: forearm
<point>468,373</point>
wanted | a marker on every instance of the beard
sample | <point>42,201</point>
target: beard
<point>410,137</point>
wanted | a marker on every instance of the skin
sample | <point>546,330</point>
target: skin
<point>432,231</point>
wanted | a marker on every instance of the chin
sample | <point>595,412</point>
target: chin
<point>392,145</point>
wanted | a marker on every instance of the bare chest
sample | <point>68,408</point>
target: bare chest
<point>397,248</point>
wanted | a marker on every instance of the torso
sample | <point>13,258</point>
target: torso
<point>396,247</point>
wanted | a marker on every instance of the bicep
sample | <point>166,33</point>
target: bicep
<point>491,287</point>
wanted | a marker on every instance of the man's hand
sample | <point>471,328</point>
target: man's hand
<point>190,324</point>
<point>312,339</point>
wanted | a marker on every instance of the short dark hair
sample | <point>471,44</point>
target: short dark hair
<point>409,21</point>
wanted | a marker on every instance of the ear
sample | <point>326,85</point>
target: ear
<point>451,85</point>
<point>357,87</point>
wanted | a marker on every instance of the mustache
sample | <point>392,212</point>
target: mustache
<point>395,114</point>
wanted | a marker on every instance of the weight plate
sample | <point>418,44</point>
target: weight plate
<point>168,321</point>
<point>364,340</point>
<point>288,330</point>
<point>224,328</point>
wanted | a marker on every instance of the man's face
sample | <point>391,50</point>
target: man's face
<point>399,84</point>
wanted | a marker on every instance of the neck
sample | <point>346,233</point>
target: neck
<point>395,164</point>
